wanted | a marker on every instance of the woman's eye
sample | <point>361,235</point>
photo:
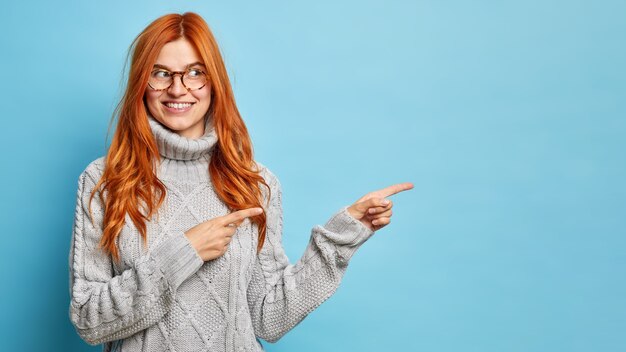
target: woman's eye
<point>194,73</point>
<point>160,74</point>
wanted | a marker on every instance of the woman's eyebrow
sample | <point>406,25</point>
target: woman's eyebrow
<point>197,63</point>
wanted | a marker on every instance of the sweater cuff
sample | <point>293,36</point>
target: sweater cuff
<point>177,259</point>
<point>352,232</point>
<point>347,234</point>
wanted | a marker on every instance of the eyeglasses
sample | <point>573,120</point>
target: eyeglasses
<point>192,79</point>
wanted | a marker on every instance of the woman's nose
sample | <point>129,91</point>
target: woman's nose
<point>177,88</point>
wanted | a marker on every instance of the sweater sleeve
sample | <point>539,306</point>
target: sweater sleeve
<point>104,307</point>
<point>280,294</point>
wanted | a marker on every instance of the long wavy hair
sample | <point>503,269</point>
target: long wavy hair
<point>129,177</point>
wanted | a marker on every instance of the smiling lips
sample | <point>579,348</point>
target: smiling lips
<point>177,107</point>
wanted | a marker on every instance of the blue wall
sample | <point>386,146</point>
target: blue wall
<point>508,116</point>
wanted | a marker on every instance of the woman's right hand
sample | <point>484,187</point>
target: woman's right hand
<point>212,237</point>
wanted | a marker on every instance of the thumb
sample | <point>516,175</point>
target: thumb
<point>362,206</point>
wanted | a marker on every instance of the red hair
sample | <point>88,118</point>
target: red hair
<point>129,177</point>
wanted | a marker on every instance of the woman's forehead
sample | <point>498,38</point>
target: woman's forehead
<point>178,55</point>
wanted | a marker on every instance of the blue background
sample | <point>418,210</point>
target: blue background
<point>508,116</point>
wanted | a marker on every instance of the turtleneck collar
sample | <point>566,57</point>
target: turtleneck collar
<point>174,146</point>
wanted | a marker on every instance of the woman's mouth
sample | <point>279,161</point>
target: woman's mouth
<point>177,107</point>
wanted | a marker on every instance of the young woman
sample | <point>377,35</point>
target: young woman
<point>176,244</point>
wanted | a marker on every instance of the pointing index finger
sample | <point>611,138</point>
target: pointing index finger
<point>393,189</point>
<point>239,215</point>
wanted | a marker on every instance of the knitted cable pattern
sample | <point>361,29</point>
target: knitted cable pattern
<point>164,297</point>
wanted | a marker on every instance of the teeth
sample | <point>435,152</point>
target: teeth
<point>178,105</point>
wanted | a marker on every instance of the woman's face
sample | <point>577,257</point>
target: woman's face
<point>188,119</point>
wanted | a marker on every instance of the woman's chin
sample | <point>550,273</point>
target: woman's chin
<point>186,127</point>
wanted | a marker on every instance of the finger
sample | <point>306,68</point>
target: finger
<point>376,210</point>
<point>232,228</point>
<point>381,221</point>
<point>393,189</point>
<point>239,215</point>
<point>385,214</point>
<point>363,206</point>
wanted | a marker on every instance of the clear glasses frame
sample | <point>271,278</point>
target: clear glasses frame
<point>182,78</point>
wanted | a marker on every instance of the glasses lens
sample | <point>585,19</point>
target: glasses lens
<point>160,79</point>
<point>194,79</point>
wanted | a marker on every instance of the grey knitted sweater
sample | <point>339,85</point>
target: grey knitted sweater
<point>165,297</point>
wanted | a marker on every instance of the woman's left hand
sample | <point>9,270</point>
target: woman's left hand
<point>373,210</point>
